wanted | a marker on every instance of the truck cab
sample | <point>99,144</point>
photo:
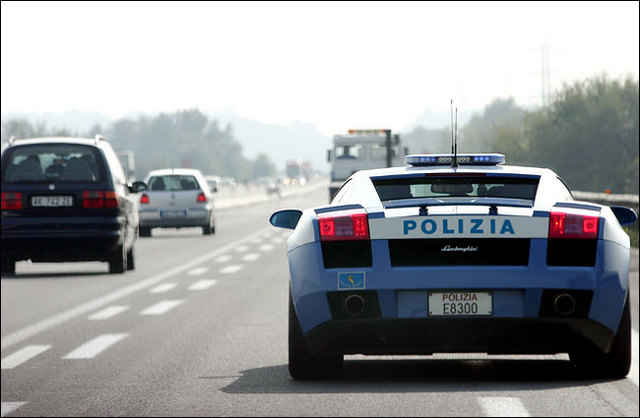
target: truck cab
<point>362,150</point>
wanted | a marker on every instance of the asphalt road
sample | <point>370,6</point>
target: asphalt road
<point>200,328</point>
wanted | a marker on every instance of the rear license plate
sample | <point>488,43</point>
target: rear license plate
<point>457,303</point>
<point>52,201</point>
<point>173,213</point>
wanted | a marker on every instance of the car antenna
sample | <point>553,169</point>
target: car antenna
<point>454,138</point>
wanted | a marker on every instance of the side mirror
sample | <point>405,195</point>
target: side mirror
<point>213,189</point>
<point>138,186</point>
<point>626,216</point>
<point>287,218</point>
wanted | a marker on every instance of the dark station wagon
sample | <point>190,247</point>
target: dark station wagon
<point>67,199</point>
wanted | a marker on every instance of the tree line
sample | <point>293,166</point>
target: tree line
<point>588,134</point>
<point>186,138</point>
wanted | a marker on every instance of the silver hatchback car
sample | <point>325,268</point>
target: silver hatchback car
<point>176,198</point>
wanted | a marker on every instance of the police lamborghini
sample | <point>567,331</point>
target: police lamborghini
<point>458,254</point>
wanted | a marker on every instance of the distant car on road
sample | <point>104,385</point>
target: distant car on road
<point>67,199</point>
<point>213,182</point>
<point>458,254</point>
<point>176,198</point>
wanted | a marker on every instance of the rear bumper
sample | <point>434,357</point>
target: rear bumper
<point>151,218</point>
<point>61,245</point>
<point>459,335</point>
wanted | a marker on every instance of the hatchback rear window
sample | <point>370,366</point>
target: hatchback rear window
<point>65,163</point>
<point>173,183</point>
<point>457,186</point>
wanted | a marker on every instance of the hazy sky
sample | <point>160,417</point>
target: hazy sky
<point>336,65</point>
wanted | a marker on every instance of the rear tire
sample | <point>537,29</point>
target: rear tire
<point>616,363</point>
<point>144,231</point>
<point>118,261</point>
<point>131,259</point>
<point>302,364</point>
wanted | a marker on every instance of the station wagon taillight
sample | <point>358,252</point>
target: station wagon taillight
<point>98,199</point>
<point>11,200</point>
<point>573,225</point>
<point>344,226</point>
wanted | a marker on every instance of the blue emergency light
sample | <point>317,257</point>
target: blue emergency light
<point>422,160</point>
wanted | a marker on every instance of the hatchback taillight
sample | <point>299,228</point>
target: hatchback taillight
<point>11,200</point>
<point>144,199</point>
<point>202,198</point>
<point>573,225</point>
<point>344,226</point>
<point>98,199</point>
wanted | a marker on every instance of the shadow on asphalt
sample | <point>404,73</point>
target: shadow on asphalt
<point>361,376</point>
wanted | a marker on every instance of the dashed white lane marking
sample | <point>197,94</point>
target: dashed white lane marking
<point>231,269</point>
<point>197,271</point>
<point>633,373</point>
<point>108,313</point>
<point>502,406</point>
<point>266,247</point>
<point>84,308</point>
<point>95,346</point>
<point>163,287</point>
<point>251,257</point>
<point>161,307</point>
<point>202,284</point>
<point>223,258</point>
<point>242,248</point>
<point>256,241</point>
<point>9,407</point>
<point>23,355</point>
<point>277,240</point>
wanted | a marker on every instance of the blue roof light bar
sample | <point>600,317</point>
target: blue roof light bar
<point>424,160</point>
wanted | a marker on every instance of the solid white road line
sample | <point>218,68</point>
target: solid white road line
<point>202,284</point>
<point>9,407</point>
<point>23,355</point>
<point>198,270</point>
<point>161,307</point>
<point>231,269</point>
<point>163,287</point>
<point>95,346</point>
<point>108,313</point>
<point>97,303</point>
<point>502,406</point>
<point>251,257</point>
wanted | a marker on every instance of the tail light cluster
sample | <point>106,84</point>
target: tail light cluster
<point>98,199</point>
<point>573,238</point>
<point>350,225</point>
<point>576,225</point>
<point>11,200</point>
<point>345,239</point>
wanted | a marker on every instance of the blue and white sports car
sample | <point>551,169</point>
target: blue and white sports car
<point>469,257</point>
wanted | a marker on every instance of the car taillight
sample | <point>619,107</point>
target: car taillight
<point>144,199</point>
<point>98,199</point>
<point>202,198</point>
<point>11,200</point>
<point>344,226</point>
<point>573,225</point>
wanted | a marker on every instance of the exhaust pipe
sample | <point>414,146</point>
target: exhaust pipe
<point>354,305</point>
<point>564,304</point>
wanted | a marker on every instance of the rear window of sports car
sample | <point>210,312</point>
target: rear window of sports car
<point>456,186</point>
